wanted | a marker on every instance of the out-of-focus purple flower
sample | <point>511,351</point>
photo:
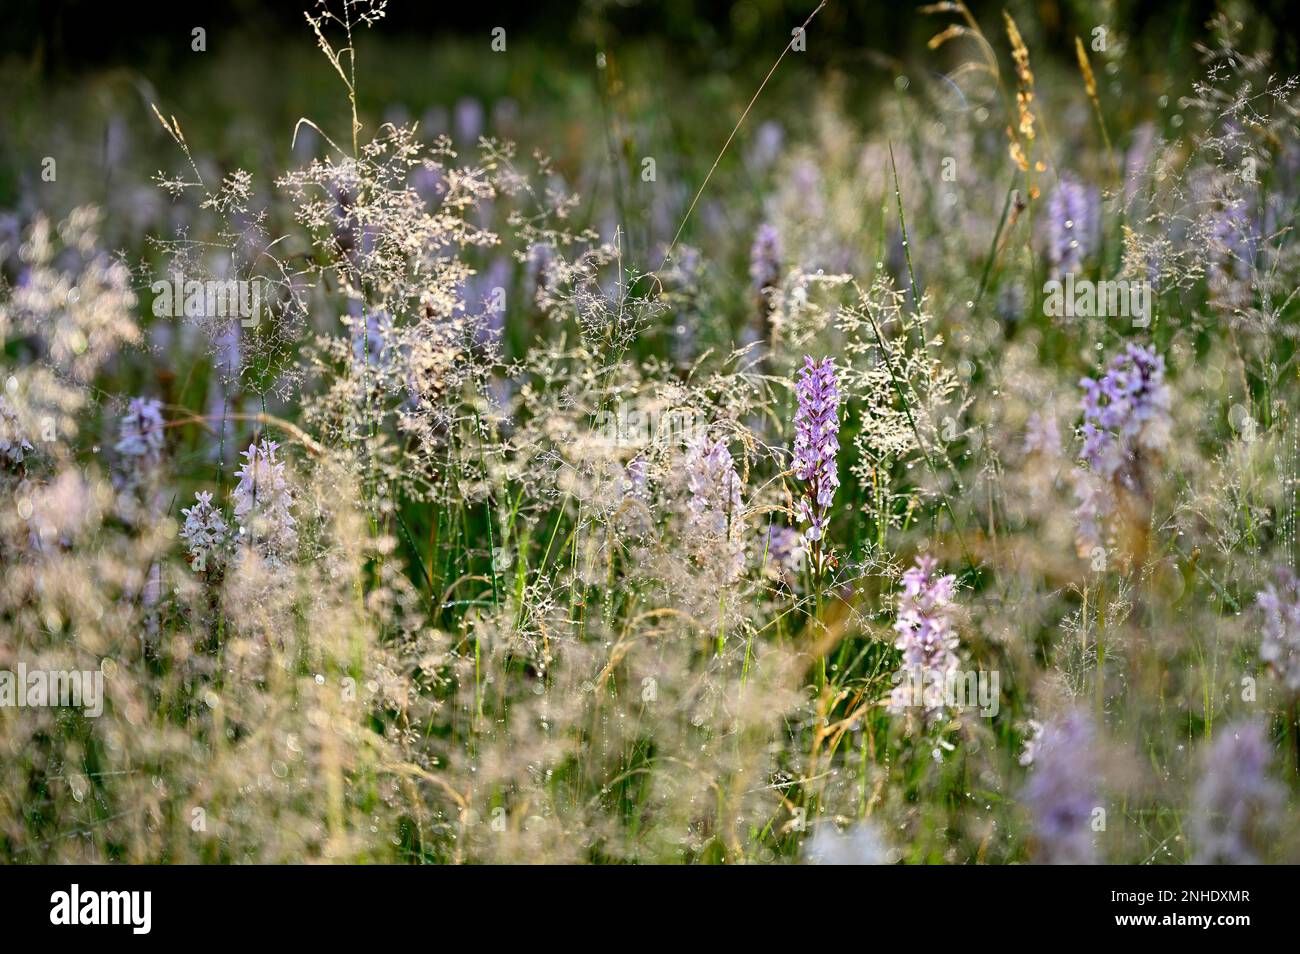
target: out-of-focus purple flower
<point>1232,243</point>
<point>1095,504</point>
<point>927,636</point>
<point>713,482</point>
<point>781,550</point>
<point>469,120</point>
<point>1230,234</point>
<point>263,501</point>
<point>896,257</point>
<point>1280,647</point>
<point>227,351</point>
<point>429,184</point>
<point>370,345</point>
<point>13,441</point>
<point>1137,160</point>
<point>806,179</point>
<point>1062,792</point>
<point>816,444</point>
<point>505,114</point>
<point>1237,802</point>
<point>1070,225</point>
<point>306,144</point>
<point>1279,200</point>
<point>434,122</point>
<point>682,280</point>
<point>117,141</point>
<point>715,503</point>
<point>537,265</point>
<point>204,532</point>
<point>861,844</point>
<point>765,258</point>
<point>636,478</point>
<point>1010,303</point>
<point>684,269</point>
<point>141,436</point>
<point>397,114</point>
<point>1154,261</point>
<point>151,594</point>
<point>1125,421</point>
<point>11,234</point>
<point>766,148</point>
<point>485,299</point>
<point>1042,436</point>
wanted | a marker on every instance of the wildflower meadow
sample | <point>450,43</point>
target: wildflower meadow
<point>658,436</point>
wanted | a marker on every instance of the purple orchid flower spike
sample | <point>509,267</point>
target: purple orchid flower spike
<point>816,444</point>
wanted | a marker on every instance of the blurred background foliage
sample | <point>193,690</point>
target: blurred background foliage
<point>79,77</point>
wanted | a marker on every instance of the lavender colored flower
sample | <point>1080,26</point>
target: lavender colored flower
<point>1010,303</point>
<point>782,550</point>
<point>861,844</point>
<point>538,262</point>
<point>1237,802</point>
<point>1062,793</point>
<point>14,444</point>
<point>685,268</point>
<point>1042,436</point>
<point>485,302</point>
<point>434,122</point>
<point>766,148</point>
<point>765,258</point>
<point>1070,222</point>
<point>636,478</point>
<point>1125,421</point>
<point>1092,512</point>
<point>806,182</point>
<point>228,352</point>
<point>505,113</point>
<point>1152,265</point>
<point>141,436</point>
<point>682,277</point>
<point>306,144</point>
<point>370,345</point>
<point>780,553</point>
<point>926,635</point>
<point>816,444</point>
<point>469,120</point>
<point>715,503</point>
<point>263,501</point>
<point>1231,242</point>
<point>1126,412</point>
<point>204,532</point>
<point>1230,236</point>
<point>1280,646</point>
<point>429,184</point>
<point>1137,160</point>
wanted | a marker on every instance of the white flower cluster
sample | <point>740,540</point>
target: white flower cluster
<point>205,532</point>
<point>13,442</point>
<point>263,500</point>
<point>141,440</point>
<point>715,503</point>
<point>264,523</point>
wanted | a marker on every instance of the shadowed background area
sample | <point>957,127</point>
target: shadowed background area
<point>74,63</point>
<point>76,35</point>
